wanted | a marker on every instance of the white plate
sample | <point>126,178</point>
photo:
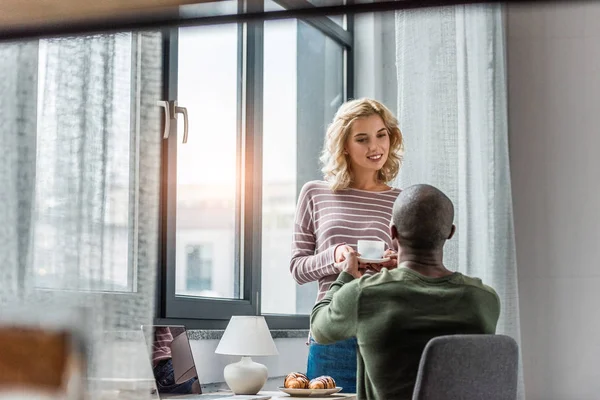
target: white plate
<point>373,260</point>
<point>309,392</point>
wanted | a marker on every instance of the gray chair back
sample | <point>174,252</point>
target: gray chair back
<point>468,367</point>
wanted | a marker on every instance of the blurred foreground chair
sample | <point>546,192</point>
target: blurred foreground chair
<point>41,360</point>
<point>468,367</point>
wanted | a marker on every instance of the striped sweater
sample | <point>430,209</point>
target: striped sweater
<point>161,348</point>
<point>325,219</point>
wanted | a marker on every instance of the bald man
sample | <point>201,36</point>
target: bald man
<point>394,313</point>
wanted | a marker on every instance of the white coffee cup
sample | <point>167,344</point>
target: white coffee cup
<point>371,249</point>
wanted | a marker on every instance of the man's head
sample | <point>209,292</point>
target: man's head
<point>422,218</point>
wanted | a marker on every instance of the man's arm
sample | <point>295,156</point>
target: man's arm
<point>335,317</point>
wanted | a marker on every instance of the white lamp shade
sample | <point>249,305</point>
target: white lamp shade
<point>247,336</point>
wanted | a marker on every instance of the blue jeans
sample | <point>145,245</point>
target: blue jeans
<point>337,360</point>
<point>165,379</point>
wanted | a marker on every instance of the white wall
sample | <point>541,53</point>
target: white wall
<point>293,354</point>
<point>554,113</point>
<point>130,360</point>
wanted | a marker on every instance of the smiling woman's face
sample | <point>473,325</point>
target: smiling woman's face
<point>368,144</point>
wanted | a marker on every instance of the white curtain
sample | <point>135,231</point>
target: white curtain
<point>453,112</point>
<point>80,182</point>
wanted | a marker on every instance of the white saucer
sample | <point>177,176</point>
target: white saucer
<point>373,260</point>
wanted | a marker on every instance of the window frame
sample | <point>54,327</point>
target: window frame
<point>213,313</point>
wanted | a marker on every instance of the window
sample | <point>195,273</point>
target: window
<point>85,164</point>
<point>259,98</point>
<point>303,87</point>
<point>207,164</point>
<point>82,190</point>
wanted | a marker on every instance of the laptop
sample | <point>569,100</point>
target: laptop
<point>170,353</point>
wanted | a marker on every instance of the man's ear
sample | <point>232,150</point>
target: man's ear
<point>394,232</point>
<point>452,231</point>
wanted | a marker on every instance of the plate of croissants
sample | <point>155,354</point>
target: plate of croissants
<point>297,384</point>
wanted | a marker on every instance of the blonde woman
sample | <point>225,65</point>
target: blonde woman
<point>362,154</point>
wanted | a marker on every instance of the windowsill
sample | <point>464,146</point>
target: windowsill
<point>211,334</point>
<point>216,334</point>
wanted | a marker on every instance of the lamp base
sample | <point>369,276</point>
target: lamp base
<point>245,376</point>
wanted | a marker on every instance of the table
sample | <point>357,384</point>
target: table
<point>277,395</point>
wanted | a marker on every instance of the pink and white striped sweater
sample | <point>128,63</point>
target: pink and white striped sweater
<point>325,219</point>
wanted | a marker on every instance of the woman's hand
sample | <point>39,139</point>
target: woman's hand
<point>393,262</point>
<point>340,252</point>
<point>390,264</point>
<point>350,263</point>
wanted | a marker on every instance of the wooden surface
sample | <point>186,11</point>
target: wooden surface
<point>19,13</point>
<point>33,358</point>
<point>277,395</point>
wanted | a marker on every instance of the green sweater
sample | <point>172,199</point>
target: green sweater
<point>393,314</point>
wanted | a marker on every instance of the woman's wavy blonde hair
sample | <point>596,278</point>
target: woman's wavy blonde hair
<point>336,169</point>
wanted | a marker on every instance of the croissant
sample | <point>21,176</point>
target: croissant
<point>296,380</point>
<point>322,382</point>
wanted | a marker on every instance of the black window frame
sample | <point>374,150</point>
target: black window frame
<point>212,313</point>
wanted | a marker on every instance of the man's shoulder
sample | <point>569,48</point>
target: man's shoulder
<point>381,278</point>
<point>406,278</point>
<point>475,284</point>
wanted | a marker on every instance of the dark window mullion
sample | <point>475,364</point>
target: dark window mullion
<point>253,113</point>
<point>168,200</point>
<point>239,201</point>
<point>349,59</point>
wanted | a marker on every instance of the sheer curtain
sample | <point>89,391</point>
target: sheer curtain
<point>80,180</point>
<point>452,109</point>
<point>18,90</point>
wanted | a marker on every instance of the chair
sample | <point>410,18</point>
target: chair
<point>39,362</point>
<point>44,351</point>
<point>468,367</point>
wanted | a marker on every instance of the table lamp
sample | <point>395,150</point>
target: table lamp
<point>246,336</point>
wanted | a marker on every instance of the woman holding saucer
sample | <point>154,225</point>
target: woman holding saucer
<point>362,154</point>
